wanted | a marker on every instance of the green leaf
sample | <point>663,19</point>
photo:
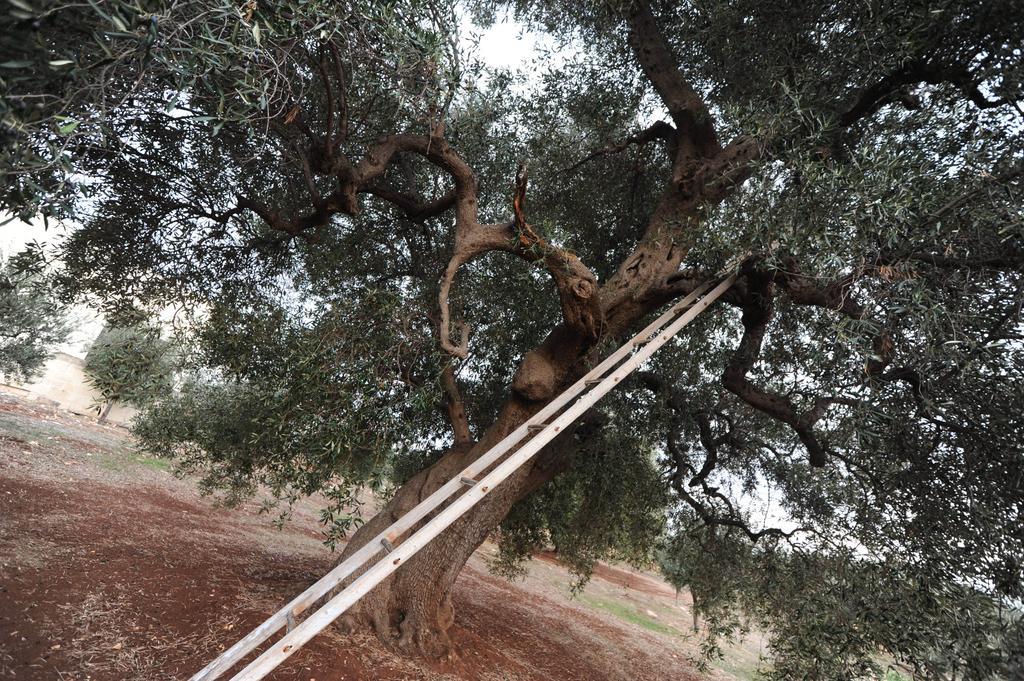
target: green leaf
<point>20,4</point>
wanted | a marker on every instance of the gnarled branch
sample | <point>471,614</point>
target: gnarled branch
<point>681,466</point>
<point>577,285</point>
<point>455,406</point>
<point>413,208</point>
<point>758,310</point>
<point>685,105</point>
<point>805,290</point>
<point>891,89</point>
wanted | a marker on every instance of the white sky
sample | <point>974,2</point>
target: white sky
<point>504,45</point>
<point>16,234</point>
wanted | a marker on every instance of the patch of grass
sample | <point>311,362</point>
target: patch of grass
<point>154,463</point>
<point>122,460</point>
<point>629,614</point>
<point>27,428</point>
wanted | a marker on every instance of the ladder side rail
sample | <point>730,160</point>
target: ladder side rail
<point>334,608</point>
<point>336,575</point>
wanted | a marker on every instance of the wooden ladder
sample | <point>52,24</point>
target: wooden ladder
<point>391,554</point>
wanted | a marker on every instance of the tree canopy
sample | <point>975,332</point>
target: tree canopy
<point>33,318</point>
<point>129,364</point>
<point>388,253</point>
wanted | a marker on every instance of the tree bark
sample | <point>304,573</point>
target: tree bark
<point>105,412</point>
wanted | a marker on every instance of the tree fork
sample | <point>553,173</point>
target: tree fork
<point>412,609</point>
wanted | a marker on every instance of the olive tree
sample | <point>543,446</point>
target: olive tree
<point>402,256</point>
<point>132,365</point>
<point>33,320</point>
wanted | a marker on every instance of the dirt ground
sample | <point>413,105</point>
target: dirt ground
<point>111,568</point>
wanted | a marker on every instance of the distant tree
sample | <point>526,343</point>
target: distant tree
<point>133,365</point>
<point>280,168</point>
<point>32,318</point>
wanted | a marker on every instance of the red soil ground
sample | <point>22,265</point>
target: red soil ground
<point>112,569</point>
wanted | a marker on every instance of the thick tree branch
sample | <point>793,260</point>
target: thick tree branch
<point>455,406</point>
<point>684,104</point>
<point>342,75</point>
<point>703,175</point>
<point>273,219</point>
<point>1008,261</point>
<point>435,149</point>
<point>891,89</point>
<point>577,285</point>
<point>444,290</point>
<point>758,310</point>
<point>804,290</point>
<point>321,68</point>
<point>413,208</point>
<point>719,175</point>
<point>684,282</point>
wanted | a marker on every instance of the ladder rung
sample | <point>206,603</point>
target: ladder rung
<point>468,482</point>
<point>388,546</point>
<point>536,427</point>
<point>593,381</point>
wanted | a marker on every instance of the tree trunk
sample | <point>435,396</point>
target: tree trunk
<point>105,412</point>
<point>412,609</point>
